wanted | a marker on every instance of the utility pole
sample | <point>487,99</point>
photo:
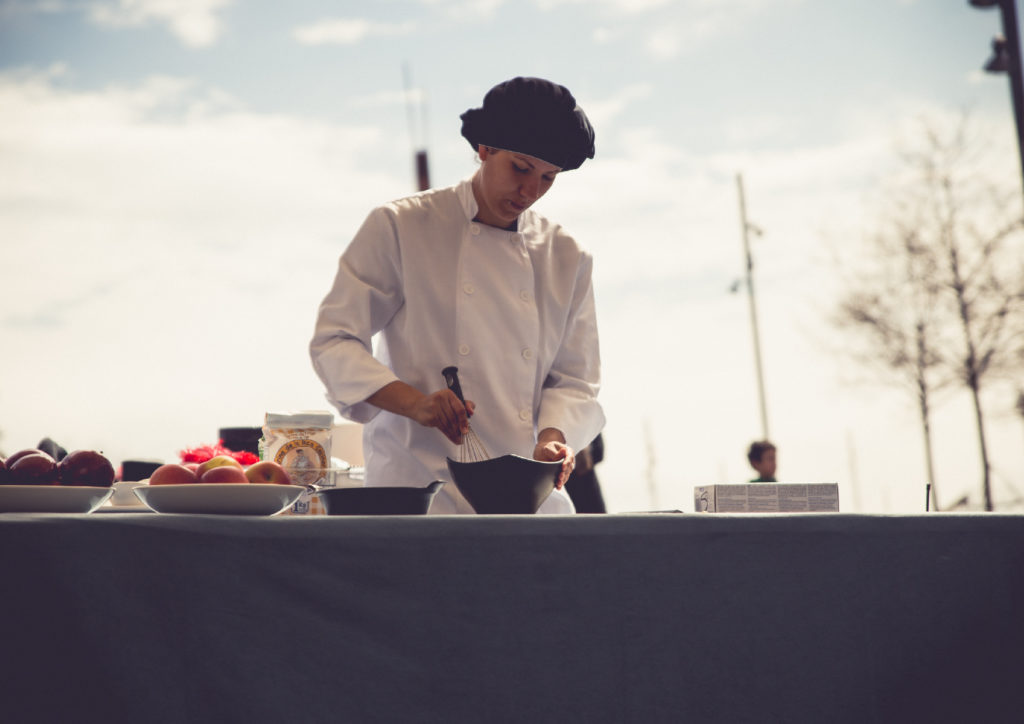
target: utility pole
<point>649,472</point>
<point>1006,58</point>
<point>420,164</point>
<point>747,228</point>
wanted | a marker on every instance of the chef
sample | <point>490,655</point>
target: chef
<point>471,276</point>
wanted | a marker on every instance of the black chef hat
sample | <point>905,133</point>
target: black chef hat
<point>532,116</point>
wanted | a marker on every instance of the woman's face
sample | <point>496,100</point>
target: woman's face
<point>507,183</point>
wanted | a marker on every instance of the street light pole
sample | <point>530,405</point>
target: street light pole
<point>747,228</point>
<point>420,163</point>
<point>1006,58</point>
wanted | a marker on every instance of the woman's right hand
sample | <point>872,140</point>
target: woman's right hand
<point>443,410</point>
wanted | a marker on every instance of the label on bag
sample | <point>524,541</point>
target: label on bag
<point>301,443</point>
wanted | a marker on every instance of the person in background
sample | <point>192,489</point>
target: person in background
<point>761,455</point>
<point>471,276</point>
<point>583,486</point>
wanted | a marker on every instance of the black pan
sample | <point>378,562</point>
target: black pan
<point>379,501</point>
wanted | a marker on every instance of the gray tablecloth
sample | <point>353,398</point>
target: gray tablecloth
<point>638,618</point>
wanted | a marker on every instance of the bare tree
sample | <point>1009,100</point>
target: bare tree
<point>978,256</point>
<point>944,300</point>
<point>891,304</point>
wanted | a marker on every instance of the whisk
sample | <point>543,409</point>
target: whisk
<point>472,449</point>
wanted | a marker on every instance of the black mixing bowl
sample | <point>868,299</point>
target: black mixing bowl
<point>509,484</point>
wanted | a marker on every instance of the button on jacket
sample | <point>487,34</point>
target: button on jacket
<point>513,310</point>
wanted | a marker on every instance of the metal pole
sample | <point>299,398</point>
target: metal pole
<point>420,164</point>
<point>753,306</point>
<point>1011,43</point>
<point>1012,34</point>
<point>422,171</point>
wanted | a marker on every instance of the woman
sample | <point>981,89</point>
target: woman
<point>471,276</point>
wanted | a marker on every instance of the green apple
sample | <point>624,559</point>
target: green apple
<point>215,462</point>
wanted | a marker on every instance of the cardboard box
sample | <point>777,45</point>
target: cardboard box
<point>767,498</point>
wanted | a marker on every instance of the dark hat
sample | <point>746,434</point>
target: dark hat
<point>532,116</point>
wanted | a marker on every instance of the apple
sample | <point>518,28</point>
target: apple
<point>22,453</point>
<point>34,469</point>
<point>224,474</point>
<point>192,466</point>
<point>172,474</point>
<point>267,471</point>
<point>86,467</point>
<point>215,462</point>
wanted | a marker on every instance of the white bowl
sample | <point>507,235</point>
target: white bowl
<point>220,498</point>
<point>52,498</point>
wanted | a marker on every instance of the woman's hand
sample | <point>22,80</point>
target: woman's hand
<point>440,409</point>
<point>550,447</point>
<point>443,410</point>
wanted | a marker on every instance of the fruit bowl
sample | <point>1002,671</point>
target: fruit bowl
<point>52,498</point>
<point>220,498</point>
<point>509,484</point>
<point>379,500</point>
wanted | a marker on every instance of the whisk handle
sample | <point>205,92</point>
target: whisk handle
<point>451,378</point>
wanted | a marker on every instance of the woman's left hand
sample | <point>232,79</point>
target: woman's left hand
<point>551,450</point>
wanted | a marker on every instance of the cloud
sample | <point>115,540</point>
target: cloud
<point>614,6</point>
<point>465,10</point>
<point>25,7</point>
<point>692,11</point>
<point>678,36</point>
<point>602,111</point>
<point>167,238</point>
<point>148,175</point>
<point>193,22</point>
<point>55,311</point>
<point>385,98</point>
<point>677,28</point>
<point>347,31</point>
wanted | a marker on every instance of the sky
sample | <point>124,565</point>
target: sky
<point>178,179</point>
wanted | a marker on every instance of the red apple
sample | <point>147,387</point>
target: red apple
<point>224,474</point>
<point>86,467</point>
<point>215,462</point>
<point>33,469</point>
<point>22,453</point>
<point>172,474</point>
<point>192,466</point>
<point>267,471</point>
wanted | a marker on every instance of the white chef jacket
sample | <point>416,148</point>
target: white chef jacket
<point>513,310</point>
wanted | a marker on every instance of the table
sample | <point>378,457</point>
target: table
<point>138,617</point>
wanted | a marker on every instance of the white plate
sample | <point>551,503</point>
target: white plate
<point>52,498</point>
<point>220,498</point>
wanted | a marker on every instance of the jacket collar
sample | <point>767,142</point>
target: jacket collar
<point>464,190</point>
